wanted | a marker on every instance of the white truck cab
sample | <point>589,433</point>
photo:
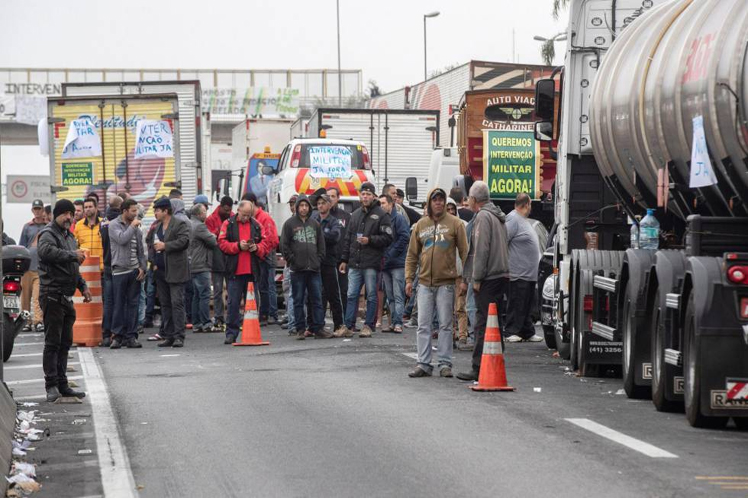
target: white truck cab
<point>307,164</point>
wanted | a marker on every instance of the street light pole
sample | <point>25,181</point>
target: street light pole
<point>340,76</point>
<point>425,61</point>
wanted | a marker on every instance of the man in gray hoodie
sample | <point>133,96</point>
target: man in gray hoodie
<point>486,267</point>
<point>128,271</point>
<point>202,244</point>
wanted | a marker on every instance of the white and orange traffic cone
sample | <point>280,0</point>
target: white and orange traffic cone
<point>492,375</point>
<point>251,335</point>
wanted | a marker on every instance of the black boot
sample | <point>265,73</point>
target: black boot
<point>53,394</point>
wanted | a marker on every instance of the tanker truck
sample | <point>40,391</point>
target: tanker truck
<point>652,118</point>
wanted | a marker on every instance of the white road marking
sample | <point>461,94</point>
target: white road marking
<point>36,365</point>
<point>28,355</point>
<point>116,475</point>
<point>34,381</point>
<point>620,438</point>
<point>411,355</point>
<point>169,355</point>
<point>38,343</point>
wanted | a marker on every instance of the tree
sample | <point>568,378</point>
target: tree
<point>548,52</point>
<point>558,6</point>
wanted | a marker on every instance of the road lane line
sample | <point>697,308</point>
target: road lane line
<point>28,355</point>
<point>620,438</point>
<point>116,475</point>
<point>411,355</point>
<point>34,381</point>
<point>36,365</point>
<point>38,343</point>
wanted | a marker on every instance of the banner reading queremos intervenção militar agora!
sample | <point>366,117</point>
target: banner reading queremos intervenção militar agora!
<point>511,164</point>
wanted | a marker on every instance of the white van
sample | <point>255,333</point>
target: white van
<point>307,164</point>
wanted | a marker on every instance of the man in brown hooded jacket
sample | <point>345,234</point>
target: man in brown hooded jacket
<point>435,242</point>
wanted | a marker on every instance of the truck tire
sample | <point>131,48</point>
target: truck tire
<point>692,374</point>
<point>629,345</point>
<point>659,367</point>
<point>8,338</point>
<point>549,333</point>
<point>563,348</point>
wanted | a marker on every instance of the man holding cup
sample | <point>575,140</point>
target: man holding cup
<point>369,234</point>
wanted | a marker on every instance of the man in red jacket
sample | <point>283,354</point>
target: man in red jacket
<point>265,281</point>
<point>241,240</point>
<point>214,222</point>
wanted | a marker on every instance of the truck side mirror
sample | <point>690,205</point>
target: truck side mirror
<point>411,188</point>
<point>545,93</point>
<point>543,131</point>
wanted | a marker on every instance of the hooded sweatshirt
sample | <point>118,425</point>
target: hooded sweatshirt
<point>302,241</point>
<point>435,244</point>
<point>488,256</point>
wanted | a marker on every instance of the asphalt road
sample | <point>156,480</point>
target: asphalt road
<point>342,418</point>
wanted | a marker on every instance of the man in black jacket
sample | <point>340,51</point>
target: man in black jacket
<point>304,249</point>
<point>59,276</point>
<point>369,234</point>
<point>168,243</point>
<point>331,229</point>
<point>344,217</point>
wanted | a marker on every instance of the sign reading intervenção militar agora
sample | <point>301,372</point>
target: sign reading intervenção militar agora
<point>77,174</point>
<point>511,164</point>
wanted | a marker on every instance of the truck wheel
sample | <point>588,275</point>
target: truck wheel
<point>549,332</point>
<point>563,348</point>
<point>659,367</point>
<point>8,338</point>
<point>692,374</point>
<point>629,384</point>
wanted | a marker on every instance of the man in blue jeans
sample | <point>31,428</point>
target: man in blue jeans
<point>202,243</point>
<point>112,212</point>
<point>368,234</point>
<point>393,272</point>
<point>304,249</point>
<point>128,271</point>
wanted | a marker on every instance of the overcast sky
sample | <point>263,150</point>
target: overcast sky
<point>383,38</point>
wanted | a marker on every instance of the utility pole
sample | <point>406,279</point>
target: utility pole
<point>340,76</point>
<point>426,16</point>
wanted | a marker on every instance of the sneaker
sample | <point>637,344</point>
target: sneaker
<point>365,332</point>
<point>419,372</point>
<point>342,331</point>
<point>513,338</point>
<point>178,343</point>
<point>70,393</point>
<point>411,324</point>
<point>155,337</point>
<point>230,339</point>
<point>472,375</point>
<point>116,344</point>
<point>284,326</point>
<point>27,328</point>
<point>534,338</point>
<point>53,394</point>
<point>300,335</point>
<point>323,334</point>
<point>133,344</point>
<point>105,342</point>
<point>39,327</point>
<point>308,333</point>
<point>445,372</point>
<point>169,342</point>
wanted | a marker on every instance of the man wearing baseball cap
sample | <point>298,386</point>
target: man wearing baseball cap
<point>30,280</point>
<point>59,275</point>
<point>369,234</point>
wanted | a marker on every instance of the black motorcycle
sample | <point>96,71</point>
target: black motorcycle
<point>16,262</point>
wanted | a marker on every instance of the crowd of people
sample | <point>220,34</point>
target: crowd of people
<point>435,269</point>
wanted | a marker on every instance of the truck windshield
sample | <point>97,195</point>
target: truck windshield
<point>356,152</point>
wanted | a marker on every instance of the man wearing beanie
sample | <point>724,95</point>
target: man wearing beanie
<point>167,251</point>
<point>59,276</point>
<point>368,235</point>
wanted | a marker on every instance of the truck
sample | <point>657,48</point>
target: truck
<point>653,116</point>
<point>108,144</point>
<point>257,142</point>
<point>400,142</point>
<point>192,173</point>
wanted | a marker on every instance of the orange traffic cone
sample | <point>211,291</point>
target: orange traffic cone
<point>492,372</point>
<point>251,335</point>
